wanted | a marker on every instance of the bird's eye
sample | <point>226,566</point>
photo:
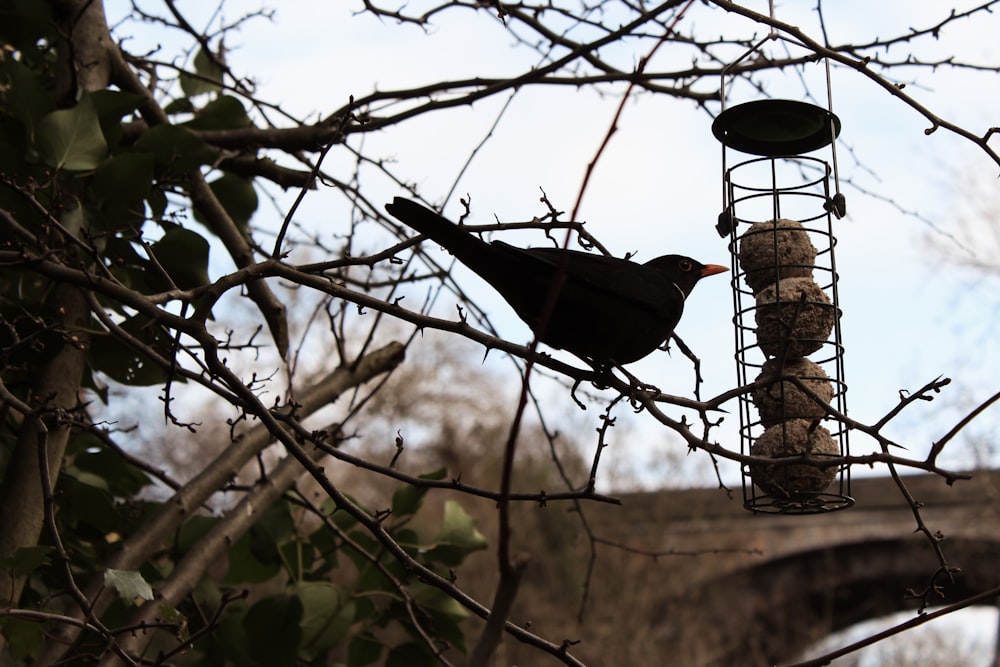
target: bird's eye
<point>686,265</point>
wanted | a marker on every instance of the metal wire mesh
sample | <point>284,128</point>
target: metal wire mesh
<point>766,190</point>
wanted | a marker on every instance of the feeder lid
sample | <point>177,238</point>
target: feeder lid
<point>776,128</point>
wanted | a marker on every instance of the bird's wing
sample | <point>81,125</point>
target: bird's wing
<point>611,277</point>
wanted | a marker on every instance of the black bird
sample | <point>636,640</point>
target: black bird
<point>607,310</point>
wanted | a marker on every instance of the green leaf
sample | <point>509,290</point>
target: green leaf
<point>25,96</point>
<point>272,629</point>
<point>120,478</point>
<point>430,597</point>
<point>86,502</point>
<point>88,478</point>
<point>409,539</point>
<point>75,220</point>
<point>176,148</point>
<point>327,615</point>
<point>231,635</point>
<point>183,254</point>
<point>125,263</point>
<point>408,498</point>
<point>246,566</point>
<point>26,560</point>
<point>111,105</point>
<point>179,105</point>
<point>223,113</point>
<point>363,650</point>
<point>24,638</point>
<point>72,138</point>
<point>458,538</point>
<point>209,76</point>
<point>171,615</point>
<point>410,655</point>
<point>255,557</point>
<point>157,201</point>
<point>123,364</point>
<point>124,180</point>
<point>129,584</point>
<point>237,196</point>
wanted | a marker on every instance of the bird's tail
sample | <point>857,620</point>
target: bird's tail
<point>467,248</point>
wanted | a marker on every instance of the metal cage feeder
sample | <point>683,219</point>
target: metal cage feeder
<point>779,207</point>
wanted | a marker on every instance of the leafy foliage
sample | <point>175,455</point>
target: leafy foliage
<point>82,170</point>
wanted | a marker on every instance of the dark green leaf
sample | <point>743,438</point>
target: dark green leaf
<point>123,364</point>
<point>448,628</point>
<point>168,614</point>
<point>326,543</point>
<point>179,105</point>
<point>438,474</point>
<point>75,220</point>
<point>111,105</point>
<point>237,196</point>
<point>246,567</point>
<point>458,538</point>
<point>223,113</point>
<point>26,560</point>
<point>24,638</point>
<point>123,181</point>
<point>275,524</point>
<point>26,98</point>
<point>410,655</point>
<point>232,635</point>
<point>363,650</point>
<point>409,539</point>
<point>183,254</point>
<point>72,138</point>
<point>273,633</point>
<point>123,480</point>
<point>127,265</point>
<point>85,500</point>
<point>407,500</point>
<point>298,555</point>
<point>157,201</point>
<point>209,76</point>
<point>340,519</point>
<point>327,615</point>
<point>430,597</point>
<point>255,557</point>
<point>176,148</point>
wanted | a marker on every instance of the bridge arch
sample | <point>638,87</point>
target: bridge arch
<point>769,613</point>
<point>734,589</point>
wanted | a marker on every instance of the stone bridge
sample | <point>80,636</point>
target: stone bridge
<point>733,588</point>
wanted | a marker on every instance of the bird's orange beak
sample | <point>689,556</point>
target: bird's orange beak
<point>712,269</point>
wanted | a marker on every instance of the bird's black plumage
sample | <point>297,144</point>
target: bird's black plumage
<point>607,310</point>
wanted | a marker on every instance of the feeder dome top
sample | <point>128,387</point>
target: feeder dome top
<point>776,128</point>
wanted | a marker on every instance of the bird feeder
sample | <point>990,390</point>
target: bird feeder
<point>780,200</point>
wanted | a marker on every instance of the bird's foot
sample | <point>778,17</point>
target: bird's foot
<point>602,377</point>
<point>637,389</point>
